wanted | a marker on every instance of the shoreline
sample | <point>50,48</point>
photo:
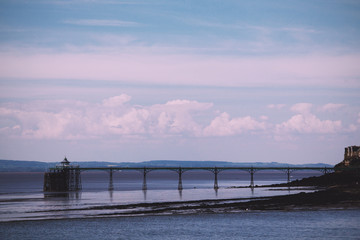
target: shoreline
<point>334,198</point>
<point>336,191</point>
<point>323,199</point>
<point>331,198</point>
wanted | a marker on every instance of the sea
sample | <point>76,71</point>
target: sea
<point>26,212</point>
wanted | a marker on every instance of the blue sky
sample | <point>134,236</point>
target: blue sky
<point>240,81</point>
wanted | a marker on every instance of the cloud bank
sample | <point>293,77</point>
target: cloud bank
<point>117,117</point>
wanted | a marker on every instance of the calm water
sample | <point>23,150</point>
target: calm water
<point>22,201</point>
<point>21,196</point>
<point>344,224</point>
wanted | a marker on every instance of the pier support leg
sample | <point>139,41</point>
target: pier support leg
<point>180,187</point>
<point>78,180</point>
<point>288,175</point>
<point>111,185</point>
<point>288,172</point>
<point>252,177</point>
<point>144,186</point>
<point>216,186</point>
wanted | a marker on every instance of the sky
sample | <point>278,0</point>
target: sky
<point>132,81</point>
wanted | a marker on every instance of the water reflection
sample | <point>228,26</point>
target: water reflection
<point>56,195</point>
<point>63,195</point>
<point>180,194</point>
<point>144,192</point>
<point>28,201</point>
<point>111,192</point>
<point>78,195</point>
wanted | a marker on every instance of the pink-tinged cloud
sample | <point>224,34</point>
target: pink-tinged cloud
<point>264,118</point>
<point>63,120</point>
<point>224,126</point>
<point>130,123</point>
<point>154,67</point>
<point>332,107</point>
<point>276,106</point>
<point>177,117</point>
<point>116,117</point>
<point>303,108</point>
<point>187,105</point>
<point>116,101</point>
<point>308,123</point>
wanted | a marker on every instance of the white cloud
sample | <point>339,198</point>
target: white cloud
<point>42,124</point>
<point>276,106</point>
<point>332,107</point>
<point>132,122</point>
<point>118,117</point>
<point>352,128</point>
<point>116,101</point>
<point>81,120</point>
<point>224,126</point>
<point>303,108</point>
<point>177,116</point>
<point>187,104</point>
<point>113,117</point>
<point>308,123</point>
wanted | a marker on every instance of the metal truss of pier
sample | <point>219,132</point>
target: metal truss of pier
<point>181,170</point>
<point>62,179</point>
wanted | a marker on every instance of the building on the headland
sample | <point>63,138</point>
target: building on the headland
<point>351,156</point>
<point>351,153</point>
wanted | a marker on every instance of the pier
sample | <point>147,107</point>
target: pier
<point>214,170</point>
<point>67,177</point>
<point>63,178</point>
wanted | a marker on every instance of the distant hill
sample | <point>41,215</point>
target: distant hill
<point>24,166</point>
<point>36,166</point>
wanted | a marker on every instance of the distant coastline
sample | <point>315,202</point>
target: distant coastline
<point>38,166</point>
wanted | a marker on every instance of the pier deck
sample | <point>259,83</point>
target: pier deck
<point>179,170</point>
